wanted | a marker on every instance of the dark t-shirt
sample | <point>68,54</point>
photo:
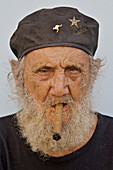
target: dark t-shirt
<point>97,154</point>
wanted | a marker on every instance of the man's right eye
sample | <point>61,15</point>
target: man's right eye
<point>43,70</point>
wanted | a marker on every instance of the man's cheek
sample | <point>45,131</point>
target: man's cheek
<point>74,88</point>
<point>41,90</point>
<point>28,84</point>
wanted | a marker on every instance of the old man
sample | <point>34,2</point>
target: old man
<point>56,127</point>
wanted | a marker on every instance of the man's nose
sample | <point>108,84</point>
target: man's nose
<point>59,85</point>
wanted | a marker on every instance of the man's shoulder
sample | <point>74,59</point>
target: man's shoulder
<point>7,124</point>
<point>105,118</point>
<point>105,124</point>
<point>6,119</point>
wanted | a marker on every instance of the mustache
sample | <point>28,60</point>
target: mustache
<point>55,100</point>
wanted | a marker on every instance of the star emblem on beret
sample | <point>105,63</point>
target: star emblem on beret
<point>74,22</point>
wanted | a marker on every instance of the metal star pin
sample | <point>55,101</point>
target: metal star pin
<point>74,21</point>
<point>57,28</point>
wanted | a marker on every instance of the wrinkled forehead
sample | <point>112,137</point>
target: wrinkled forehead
<point>52,56</point>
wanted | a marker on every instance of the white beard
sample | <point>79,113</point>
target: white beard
<point>38,132</point>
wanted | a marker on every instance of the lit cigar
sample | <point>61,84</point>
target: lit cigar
<point>57,126</point>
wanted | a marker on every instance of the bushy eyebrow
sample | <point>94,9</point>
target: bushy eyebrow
<point>69,67</point>
<point>73,67</point>
<point>46,67</point>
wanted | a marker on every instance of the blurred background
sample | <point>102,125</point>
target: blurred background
<point>12,11</point>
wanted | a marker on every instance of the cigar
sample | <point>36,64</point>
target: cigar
<point>57,125</point>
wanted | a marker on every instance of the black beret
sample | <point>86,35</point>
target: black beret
<point>61,26</point>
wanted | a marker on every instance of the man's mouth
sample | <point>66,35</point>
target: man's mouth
<point>65,105</point>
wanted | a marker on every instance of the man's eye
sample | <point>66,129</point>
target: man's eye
<point>43,70</point>
<point>73,68</point>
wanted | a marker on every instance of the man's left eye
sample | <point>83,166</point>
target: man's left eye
<point>43,70</point>
<point>73,69</point>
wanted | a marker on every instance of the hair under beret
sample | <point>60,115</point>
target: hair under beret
<point>61,26</point>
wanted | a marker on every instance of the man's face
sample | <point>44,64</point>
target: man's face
<point>56,71</point>
<point>56,75</point>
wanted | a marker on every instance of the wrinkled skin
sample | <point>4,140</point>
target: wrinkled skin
<point>47,74</point>
<point>56,71</point>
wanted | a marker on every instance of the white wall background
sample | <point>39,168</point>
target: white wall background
<point>12,11</point>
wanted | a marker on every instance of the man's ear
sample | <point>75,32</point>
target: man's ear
<point>98,60</point>
<point>98,64</point>
<point>14,68</point>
